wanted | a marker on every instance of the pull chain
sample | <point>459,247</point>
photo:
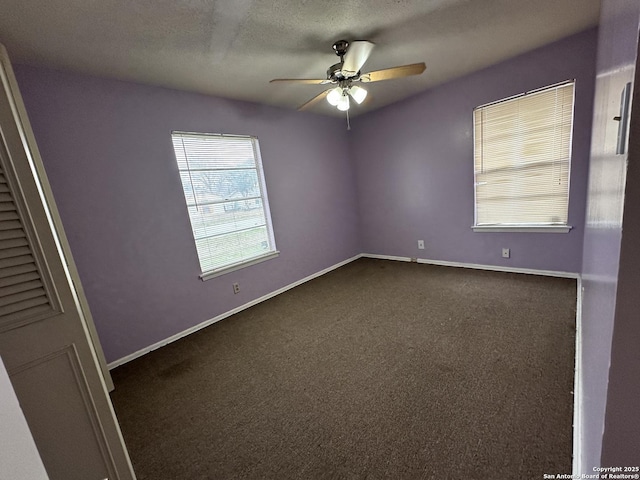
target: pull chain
<point>348,123</point>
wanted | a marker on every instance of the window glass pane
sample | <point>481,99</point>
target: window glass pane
<point>222,218</point>
<point>187,187</point>
<point>522,152</point>
<point>233,247</point>
<point>225,195</point>
<point>220,185</point>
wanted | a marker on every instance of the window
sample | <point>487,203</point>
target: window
<point>226,198</point>
<point>522,161</point>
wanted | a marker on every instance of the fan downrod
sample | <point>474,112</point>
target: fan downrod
<point>334,73</point>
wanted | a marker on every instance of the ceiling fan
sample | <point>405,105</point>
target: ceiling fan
<point>346,73</point>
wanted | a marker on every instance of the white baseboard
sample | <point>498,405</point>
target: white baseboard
<point>385,257</point>
<point>578,397</point>
<point>477,266</point>
<point>222,316</point>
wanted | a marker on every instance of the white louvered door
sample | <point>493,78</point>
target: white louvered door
<point>22,293</point>
<point>44,338</point>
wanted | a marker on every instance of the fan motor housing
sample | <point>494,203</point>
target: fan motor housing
<point>334,73</point>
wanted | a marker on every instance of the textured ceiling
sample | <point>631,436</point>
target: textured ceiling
<point>232,48</point>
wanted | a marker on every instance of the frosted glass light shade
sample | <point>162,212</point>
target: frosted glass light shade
<point>358,94</point>
<point>333,97</point>
<point>343,104</point>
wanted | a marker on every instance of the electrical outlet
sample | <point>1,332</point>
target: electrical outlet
<point>236,288</point>
<point>506,253</point>
<point>421,244</point>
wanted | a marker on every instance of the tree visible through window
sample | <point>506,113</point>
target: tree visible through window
<point>226,199</point>
<point>522,159</point>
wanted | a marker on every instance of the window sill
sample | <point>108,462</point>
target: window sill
<point>237,266</point>
<point>523,228</point>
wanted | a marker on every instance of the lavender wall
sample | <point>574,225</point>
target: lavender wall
<point>618,35</point>
<point>403,173</point>
<point>621,440</point>
<point>414,164</point>
<point>107,150</point>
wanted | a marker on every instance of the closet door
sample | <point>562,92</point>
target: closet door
<point>44,337</point>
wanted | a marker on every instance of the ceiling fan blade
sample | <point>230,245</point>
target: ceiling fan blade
<point>308,81</point>
<point>355,57</point>
<point>394,72</point>
<point>321,96</point>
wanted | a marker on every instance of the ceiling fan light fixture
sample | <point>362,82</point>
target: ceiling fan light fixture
<point>334,96</point>
<point>343,104</point>
<point>358,94</point>
<point>345,73</point>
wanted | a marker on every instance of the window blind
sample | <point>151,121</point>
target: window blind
<point>224,189</point>
<point>522,157</point>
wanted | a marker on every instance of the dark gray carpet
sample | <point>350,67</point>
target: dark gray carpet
<point>379,369</point>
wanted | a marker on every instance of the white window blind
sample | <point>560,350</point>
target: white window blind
<point>226,198</point>
<point>522,159</point>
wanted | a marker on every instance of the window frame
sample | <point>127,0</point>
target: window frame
<point>257,157</point>
<point>525,227</point>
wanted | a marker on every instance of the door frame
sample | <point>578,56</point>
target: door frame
<point>31,148</point>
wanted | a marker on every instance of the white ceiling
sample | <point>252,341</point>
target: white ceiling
<point>232,48</point>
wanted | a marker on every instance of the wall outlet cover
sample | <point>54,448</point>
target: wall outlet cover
<point>506,253</point>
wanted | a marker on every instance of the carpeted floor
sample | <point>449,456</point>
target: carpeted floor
<point>377,370</point>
